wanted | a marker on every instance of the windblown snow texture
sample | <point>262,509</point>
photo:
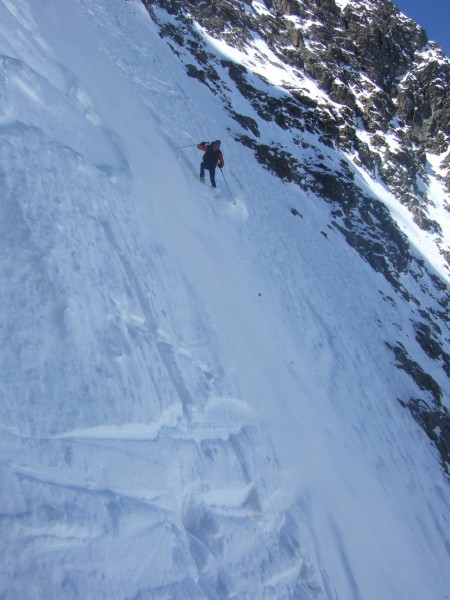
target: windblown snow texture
<point>196,396</point>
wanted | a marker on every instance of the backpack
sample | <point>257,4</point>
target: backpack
<point>211,157</point>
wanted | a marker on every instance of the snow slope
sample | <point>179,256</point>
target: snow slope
<point>196,399</point>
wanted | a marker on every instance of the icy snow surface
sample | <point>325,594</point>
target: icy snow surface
<point>196,400</point>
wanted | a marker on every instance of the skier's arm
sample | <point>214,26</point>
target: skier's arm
<point>221,161</point>
<point>203,146</point>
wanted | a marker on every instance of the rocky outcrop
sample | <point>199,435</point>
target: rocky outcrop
<point>376,66</point>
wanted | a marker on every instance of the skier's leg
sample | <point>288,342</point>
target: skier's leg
<point>202,171</point>
<point>212,175</point>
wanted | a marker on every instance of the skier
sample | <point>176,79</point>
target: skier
<point>212,156</point>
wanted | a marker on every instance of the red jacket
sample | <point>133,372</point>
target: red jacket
<point>212,157</point>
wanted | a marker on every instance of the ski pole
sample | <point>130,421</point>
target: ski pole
<point>226,183</point>
<point>188,146</point>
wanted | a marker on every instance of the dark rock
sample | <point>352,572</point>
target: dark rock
<point>427,340</point>
<point>436,425</point>
<point>423,380</point>
<point>246,123</point>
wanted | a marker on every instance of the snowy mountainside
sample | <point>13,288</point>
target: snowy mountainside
<point>350,102</point>
<point>184,412</point>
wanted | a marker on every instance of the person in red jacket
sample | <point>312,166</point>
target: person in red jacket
<point>212,157</point>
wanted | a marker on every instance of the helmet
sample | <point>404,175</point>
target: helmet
<point>217,142</point>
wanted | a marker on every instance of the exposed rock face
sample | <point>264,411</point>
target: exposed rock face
<point>382,105</point>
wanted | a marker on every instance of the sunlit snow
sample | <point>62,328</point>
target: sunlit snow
<point>196,397</point>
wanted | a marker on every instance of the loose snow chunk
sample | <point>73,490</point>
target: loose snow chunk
<point>231,497</point>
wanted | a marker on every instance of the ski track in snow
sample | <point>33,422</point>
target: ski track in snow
<point>184,413</point>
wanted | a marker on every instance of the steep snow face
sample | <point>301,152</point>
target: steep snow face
<point>311,95</point>
<point>196,400</point>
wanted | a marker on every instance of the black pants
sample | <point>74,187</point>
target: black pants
<point>212,173</point>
